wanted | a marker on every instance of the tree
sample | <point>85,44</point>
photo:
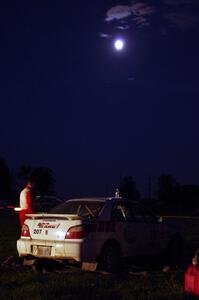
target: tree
<point>188,199</point>
<point>166,186</point>
<point>24,172</point>
<point>176,198</point>
<point>42,177</point>
<point>128,188</point>
<point>168,192</point>
<point>22,176</point>
<point>6,180</point>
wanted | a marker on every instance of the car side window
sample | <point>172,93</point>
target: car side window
<point>142,214</point>
<point>122,213</point>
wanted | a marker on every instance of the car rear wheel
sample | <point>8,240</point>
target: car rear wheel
<point>110,258</point>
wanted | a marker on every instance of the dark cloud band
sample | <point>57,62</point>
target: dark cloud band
<point>183,14</point>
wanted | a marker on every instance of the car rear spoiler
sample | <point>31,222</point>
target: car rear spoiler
<point>52,216</point>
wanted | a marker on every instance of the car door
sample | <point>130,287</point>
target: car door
<point>150,229</point>
<point>127,229</point>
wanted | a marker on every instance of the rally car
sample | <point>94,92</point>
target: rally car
<point>102,230</point>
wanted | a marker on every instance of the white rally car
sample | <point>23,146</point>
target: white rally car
<point>100,230</point>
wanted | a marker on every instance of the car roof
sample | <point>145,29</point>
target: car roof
<point>101,199</point>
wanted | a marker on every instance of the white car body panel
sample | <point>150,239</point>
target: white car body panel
<point>48,232</point>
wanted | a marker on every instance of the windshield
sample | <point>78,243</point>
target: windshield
<point>80,208</point>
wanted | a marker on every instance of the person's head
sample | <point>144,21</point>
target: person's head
<point>30,184</point>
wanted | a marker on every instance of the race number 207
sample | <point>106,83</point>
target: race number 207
<point>37,231</point>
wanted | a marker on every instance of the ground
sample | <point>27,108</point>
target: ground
<point>20,282</point>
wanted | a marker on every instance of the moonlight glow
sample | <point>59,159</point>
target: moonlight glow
<point>119,44</point>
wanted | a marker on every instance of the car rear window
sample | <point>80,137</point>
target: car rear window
<point>45,204</point>
<point>80,208</point>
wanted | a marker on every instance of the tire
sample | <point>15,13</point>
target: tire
<point>175,251</point>
<point>110,258</point>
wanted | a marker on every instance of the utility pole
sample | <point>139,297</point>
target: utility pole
<point>120,177</point>
<point>107,189</point>
<point>149,187</point>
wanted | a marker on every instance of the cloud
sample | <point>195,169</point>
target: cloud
<point>104,35</point>
<point>122,27</point>
<point>182,20</point>
<point>178,2</point>
<point>181,14</point>
<point>142,9</point>
<point>118,12</point>
<point>141,21</point>
<point>131,78</point>
<point>139,10</point>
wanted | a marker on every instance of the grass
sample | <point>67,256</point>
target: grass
<point>89,286</point>
<point>25,284</point>
<point>9,233</point>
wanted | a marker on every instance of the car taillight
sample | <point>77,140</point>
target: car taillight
<point>25,232</point>
<point>77,232</point>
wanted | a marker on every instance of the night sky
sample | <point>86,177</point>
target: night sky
<point>71,102</point>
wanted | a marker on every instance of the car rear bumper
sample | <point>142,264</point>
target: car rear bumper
<point>77,250</point>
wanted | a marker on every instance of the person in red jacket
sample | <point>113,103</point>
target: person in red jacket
<point>26,201</point>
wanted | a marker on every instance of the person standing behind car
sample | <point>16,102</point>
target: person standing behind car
<point>26,200</point>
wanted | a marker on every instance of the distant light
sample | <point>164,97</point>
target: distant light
<point>119,44</point>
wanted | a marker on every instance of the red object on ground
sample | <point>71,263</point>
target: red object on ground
<point>192,280</point>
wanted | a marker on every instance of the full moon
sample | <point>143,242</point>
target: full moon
<point>119,44</point>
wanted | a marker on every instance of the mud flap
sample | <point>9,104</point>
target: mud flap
<point>89,266</point>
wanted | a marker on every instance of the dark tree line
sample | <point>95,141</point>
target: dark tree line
<point>128,188</point>
<point>42,177</point>
<point>170,197</point>
<point>175,198</point>
<point>12,184</point>
<point>6,180</point>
